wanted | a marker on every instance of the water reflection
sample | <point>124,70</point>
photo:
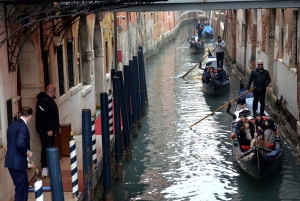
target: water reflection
<point>172,162</point>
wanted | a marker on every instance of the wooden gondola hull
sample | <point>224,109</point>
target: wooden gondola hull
<point>258,162</point>
<point>255,164</point>
<point>196,50</point>
<point>208,35</point>
<point>214,89</point>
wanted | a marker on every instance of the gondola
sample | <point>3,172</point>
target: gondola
<point>258,162</point>
<point>208,32</point>
<point>214,87</point>
<point>195,48</point>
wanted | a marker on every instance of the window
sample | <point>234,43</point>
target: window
<point>46,68</point>
<point>281,35</point>
<point>60,68</point>
<point>70,55</point>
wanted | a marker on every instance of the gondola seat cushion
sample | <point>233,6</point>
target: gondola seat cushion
<point>272,154</point>
<point>271,145</point>
<point>245,147</point>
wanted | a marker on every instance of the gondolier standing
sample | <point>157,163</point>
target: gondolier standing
<point>199,27</point>
<point>261,79</point>
<point>219,46</point>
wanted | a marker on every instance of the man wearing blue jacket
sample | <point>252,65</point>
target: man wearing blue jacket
<point>261,79</point>
<point>17,153</point>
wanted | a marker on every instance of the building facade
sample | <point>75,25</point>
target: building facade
<point>75,52</point>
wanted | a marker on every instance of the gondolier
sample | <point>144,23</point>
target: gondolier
<point>261,79</point>
<point>199,28</point>
<point>219,46</point>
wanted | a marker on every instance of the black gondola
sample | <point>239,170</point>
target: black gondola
<point>258,162</point>
<point>212,87</point>
<point>196,47</point>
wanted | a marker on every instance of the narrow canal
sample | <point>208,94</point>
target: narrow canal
<point>172,162</point>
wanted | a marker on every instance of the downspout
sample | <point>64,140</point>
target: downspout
<point>116,41</point>
<point>245,42</point>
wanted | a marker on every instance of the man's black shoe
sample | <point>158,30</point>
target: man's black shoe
<point>254,114</point>
<point>263,114</point>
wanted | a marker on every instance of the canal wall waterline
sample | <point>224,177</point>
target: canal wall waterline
<point>165,39</point>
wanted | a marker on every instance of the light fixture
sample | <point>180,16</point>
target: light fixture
<point>120,28</point>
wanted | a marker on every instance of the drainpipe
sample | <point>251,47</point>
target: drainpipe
<point>116,41</point>
<point>246,36</point>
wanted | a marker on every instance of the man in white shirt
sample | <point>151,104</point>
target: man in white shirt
<point>219,46</point>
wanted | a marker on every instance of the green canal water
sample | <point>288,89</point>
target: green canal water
<point>172,162</point>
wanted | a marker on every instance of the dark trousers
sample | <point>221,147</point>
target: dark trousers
<point>200,34</point>
<point>220,58</point>
<point>21,184</point>
<point>259,96</point>
<point>46,142</point>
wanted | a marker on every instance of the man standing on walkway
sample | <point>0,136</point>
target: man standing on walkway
<point>18,153</point>
<point>219,46</point>
<point>199,28</point>
<point>47,122</point>
<point>261,79</point>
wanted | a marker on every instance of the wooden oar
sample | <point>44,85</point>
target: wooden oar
<point>182,42</point>
<point>222,107</point>
<point>196,65</point>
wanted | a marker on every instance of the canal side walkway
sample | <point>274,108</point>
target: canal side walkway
<point>66,168</point>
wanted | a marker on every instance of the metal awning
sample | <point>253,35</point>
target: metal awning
<point>53,18</point>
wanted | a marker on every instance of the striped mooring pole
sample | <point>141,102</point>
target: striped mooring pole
<point>94,151</point>
<point>110,114</point>
<point>38,187</point>
<point>73,160</point>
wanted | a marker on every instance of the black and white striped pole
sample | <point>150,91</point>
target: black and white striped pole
<point>38,187</point>
<point>73,160</point>
<point>110,114</point>
<point>94,151</point>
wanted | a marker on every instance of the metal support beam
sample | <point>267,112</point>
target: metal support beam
<point>211,5</point>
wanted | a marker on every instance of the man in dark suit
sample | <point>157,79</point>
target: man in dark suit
<point>18,152</point>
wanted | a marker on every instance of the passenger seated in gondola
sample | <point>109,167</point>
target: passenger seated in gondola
<point>259,140</point>
<point>192,42</point>
<point>199,43</point>
<point>221,75</point>
<point>248,133</point>
<point>270,131</point>
<point>241,104</point>
<point>259,122</point>
<point>240,132</point>
<point>206,76</point>
<point>212,71</point>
